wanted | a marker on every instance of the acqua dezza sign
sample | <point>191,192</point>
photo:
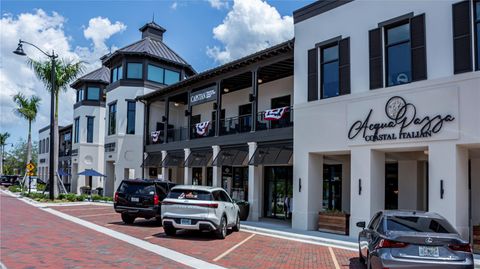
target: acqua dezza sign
<point>401,120</point>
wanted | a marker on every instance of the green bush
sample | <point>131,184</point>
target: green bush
<point>97,197</point>
<point>15,188</point>
<point>81,197</point>
<point>71,197</point>
<point>40,186</point>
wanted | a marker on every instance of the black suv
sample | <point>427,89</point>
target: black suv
<point>137,198</point>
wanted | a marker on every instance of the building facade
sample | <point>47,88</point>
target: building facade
<point>391,105</point>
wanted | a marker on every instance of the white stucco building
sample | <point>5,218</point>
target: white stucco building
<point>390,99</point>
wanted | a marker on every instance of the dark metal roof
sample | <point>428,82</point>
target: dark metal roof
<point>101,75</point>
<point>252,58</point>
<point>316,8</point>
<point>152,25</point>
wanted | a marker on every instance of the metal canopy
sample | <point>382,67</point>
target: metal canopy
<point>174,159</point>
<point>153,160</point>
<point>199,158</point>
<point>272,154</point>
<point>231,157</point>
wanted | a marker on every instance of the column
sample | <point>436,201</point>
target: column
<point>475,181</point>
<point>164,169</point>
<point>218,113</point>
<point>367,188</point>
<point>448,163</point>
<point>189,119</point>
<point>407,184</point>
<point>255,97</point>
<point>165,123</point>
<point>187,175</point>
<point>217,170</point>
<point>255,176</point>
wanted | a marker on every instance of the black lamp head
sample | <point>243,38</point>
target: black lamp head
<point>19,50</point>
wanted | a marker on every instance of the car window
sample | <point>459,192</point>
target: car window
<point>418,224</point>
<point>190,194</point>
<point>374,222</point>
<point>224,197</point>
<point>134,188</point>
<point>216,196</point>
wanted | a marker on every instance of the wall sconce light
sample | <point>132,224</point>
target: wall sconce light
<point>176,104</point>
<point>164,119</point>
<point>299,184</point>
<point>187,113</point>
<point>359,186</point>
<point>226,90</point>
<point>259,80</point>
<point>251,98</point>
<point>442,190</point>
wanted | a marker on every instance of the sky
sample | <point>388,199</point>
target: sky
<point>206,33</point>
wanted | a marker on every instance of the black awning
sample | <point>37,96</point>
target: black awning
<point>272,154</point>
<point>174,159</point>
<point>230,157</point>
<point>153,160</point>
<point>199,158</point>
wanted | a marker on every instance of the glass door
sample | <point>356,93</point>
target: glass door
<point>278,191</point>
<point>332,187</point>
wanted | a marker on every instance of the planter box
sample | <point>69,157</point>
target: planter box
<point>476,239</point>
<point>337,223</point>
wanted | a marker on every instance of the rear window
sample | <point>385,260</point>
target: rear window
<point>190,195</point>
<point>137,188</point>
<point>418,224</point>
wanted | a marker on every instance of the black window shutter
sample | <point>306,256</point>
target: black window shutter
<point>418,48</point>
<point>313,74</point>
<point>462,38</point>
<point>376,61</point>
<point>344,65</point>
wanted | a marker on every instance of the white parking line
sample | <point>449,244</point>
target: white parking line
<point>96,215</point>
<point>233,248</point>
<point>334,258</point>
<point>159,250</point>
<point>82,209</point>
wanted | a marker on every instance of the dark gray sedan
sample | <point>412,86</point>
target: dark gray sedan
<point>412,239</point>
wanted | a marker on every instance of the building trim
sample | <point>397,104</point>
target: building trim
<point>316,8</point>
<point>89,103</point>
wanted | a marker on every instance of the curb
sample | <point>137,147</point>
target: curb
<point>302,238</point>
<point>39,204</point>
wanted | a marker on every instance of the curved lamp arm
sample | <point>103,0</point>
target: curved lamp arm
<point>48,55</point>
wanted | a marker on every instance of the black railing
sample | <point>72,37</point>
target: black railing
<point>286,120</point>
<point>208,132</point>
<point>236,125</point>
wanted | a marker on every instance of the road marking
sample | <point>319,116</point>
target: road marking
<point>159,250</point>
<point>233,248</point>
<point>2,266</point>
<point>96,215</point>
<point>148,237</point>
<point>334,258</point>
<point>80,209</point>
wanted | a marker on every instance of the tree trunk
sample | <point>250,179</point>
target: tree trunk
<point>1,159</point>
<point>55,147</point>
<point>29,142</point>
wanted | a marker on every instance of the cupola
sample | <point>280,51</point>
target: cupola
<point>153,31</point>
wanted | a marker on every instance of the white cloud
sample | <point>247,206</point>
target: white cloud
<point>47,32</point>
<point>218,4</point>
<point>174,5</point>
<point>250,26</point>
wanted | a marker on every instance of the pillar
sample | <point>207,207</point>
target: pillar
<point>475,181</point>
<point>407,184</point>
<point>367,188</point>
<point>448,162</point>
<point>187,175</point>
<point>254,185</point>
<point>346,185</point>
<point>217,170</point>
<point>164,169</point>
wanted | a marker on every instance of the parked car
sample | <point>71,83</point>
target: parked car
<point>7,180</point>
<point>199,208</point>
<point>412,239</point>
<point>140,198</point>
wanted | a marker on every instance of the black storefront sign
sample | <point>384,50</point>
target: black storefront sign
<point>403,117</point>
<point>203,96</point>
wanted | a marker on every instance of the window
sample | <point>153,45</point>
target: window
<point>171,77</point>
<point>93,93</point>
<point>117,73</point>
<point>329,67</point>
<point>90,129</point>
<point>77,129</point>
<point>477,27</point>
<point>131,117</point>
<point>398,58</point>
<point>155,73</point>
<point>48,145</point>
<point>79,95</point>
<point>418,224</point>
<point>112,119</point>
<point>134,70</point>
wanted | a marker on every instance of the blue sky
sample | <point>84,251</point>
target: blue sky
<point>206,33</point>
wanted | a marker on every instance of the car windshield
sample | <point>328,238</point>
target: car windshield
<point>134,188</point>
<point>418,224</point>
<point>190,194</point>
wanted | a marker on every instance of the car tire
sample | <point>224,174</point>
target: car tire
<point>221,232</point>
<point>127,219</point>
<point>236,228</point>
<point>170,231</point>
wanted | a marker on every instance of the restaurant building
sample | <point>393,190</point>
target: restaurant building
<point>390,102</point>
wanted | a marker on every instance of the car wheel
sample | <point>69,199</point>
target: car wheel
<point>236,228</point>
<point>127,219</point>
<point>221,232</point>
<point>170,231</point>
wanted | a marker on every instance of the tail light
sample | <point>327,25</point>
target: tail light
<point>385,243</point>
<point>208,205</point>
<point>461,247</point>
<point>155,200</point>
<point>115,198</point>
<point>202,205</point>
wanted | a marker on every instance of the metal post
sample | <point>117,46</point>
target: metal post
<point>52,131</point>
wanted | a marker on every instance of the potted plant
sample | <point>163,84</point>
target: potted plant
<point>476,238</point>
<point>244,207</point>
<point>334,221</point>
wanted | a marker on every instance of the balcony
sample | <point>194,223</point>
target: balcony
<point>275,120</point>
<point>199,131</point>
<point>236,125</point>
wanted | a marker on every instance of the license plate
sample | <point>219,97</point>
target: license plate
<point>428,251</point>
<point>135,199</point>
<point>185,222</point>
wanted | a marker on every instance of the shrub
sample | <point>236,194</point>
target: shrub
<point>15,188</point>
<point>81,197</point>
<point>40,186</point>
<point>97,197</point>
<point>71,197</point>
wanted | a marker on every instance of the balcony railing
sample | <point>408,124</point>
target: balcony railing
<point>279,120</point>
<point>236,125</point>
<point>199,133</point>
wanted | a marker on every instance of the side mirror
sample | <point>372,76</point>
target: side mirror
<point>361,224</point>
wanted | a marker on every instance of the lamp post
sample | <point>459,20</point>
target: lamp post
<point>51,172</point>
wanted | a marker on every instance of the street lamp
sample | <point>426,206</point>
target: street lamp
<point>51,172</point>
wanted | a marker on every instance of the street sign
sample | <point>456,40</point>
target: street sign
<point>30,174</point>
<point>30,167</point>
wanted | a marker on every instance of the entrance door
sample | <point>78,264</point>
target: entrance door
<point>245,118</point>
<point>278,186</point>
<point>332,187</point>
<point>391,186</point>
<point>197,176</point>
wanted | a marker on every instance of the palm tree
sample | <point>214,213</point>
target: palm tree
<point>66,72</point>
<point>27,108</point>
<point>3,143</point>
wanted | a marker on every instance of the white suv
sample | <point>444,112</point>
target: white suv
<point>199,208</point>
